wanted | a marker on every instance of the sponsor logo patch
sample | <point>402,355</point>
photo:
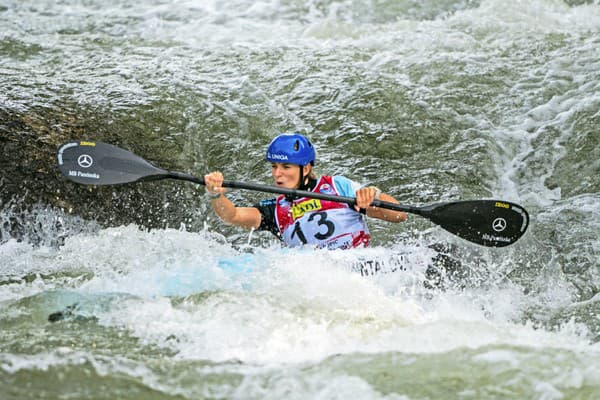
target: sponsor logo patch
<point>81,174</point>
<point>326,188</point>
<point>499,224</point>
<point>298,210</point>
<point>85,161</point>
<point>502,205</point>
<point>491,238</point>
<point>282,157</point>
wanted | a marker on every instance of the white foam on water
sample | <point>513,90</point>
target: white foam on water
<point>66,359</point>
<point>22,267</point>
<point>529,16</point>
<point>292,303</point>
<point>279,306</point>
<point>282,305</point>
<point>322,386</point>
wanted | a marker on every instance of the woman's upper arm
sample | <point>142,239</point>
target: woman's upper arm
<point>247,217</point>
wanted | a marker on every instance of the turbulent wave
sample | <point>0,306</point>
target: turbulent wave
<point>431,101</point>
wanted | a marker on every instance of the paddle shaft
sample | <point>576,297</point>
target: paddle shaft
<point>297,193</point>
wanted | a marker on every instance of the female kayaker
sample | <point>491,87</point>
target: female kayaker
<point>300,221</point>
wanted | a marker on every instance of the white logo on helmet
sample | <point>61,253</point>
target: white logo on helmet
<point>282,157</point>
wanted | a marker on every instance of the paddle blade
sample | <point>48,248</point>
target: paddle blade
<point>492,223</point>
<point>96,163</point>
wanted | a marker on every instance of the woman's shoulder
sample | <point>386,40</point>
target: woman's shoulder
<point>343,186</point>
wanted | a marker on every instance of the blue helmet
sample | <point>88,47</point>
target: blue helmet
<point>292,148</point>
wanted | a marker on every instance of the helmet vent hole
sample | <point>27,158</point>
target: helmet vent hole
<point>296,145</point>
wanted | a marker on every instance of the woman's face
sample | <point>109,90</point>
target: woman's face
<point>287,175</point>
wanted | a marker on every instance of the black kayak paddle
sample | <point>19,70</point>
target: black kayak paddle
<point>493,223</point>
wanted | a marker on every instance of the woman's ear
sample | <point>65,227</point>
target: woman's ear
<point>306,169</point>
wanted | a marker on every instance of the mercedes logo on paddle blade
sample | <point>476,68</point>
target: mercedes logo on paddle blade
<point>499,224</point>
<point>85,161</point>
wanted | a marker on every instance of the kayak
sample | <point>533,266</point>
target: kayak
<point>410,268</point>
<point>438,265</point>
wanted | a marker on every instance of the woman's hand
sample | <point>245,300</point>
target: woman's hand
<point>365,196</point>
<point>213,182</point>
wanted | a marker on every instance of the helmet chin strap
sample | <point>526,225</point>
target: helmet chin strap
<point>303,184</point>
<point>301,181</point>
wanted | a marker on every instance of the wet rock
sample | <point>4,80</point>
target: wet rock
<point>29,177</point>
